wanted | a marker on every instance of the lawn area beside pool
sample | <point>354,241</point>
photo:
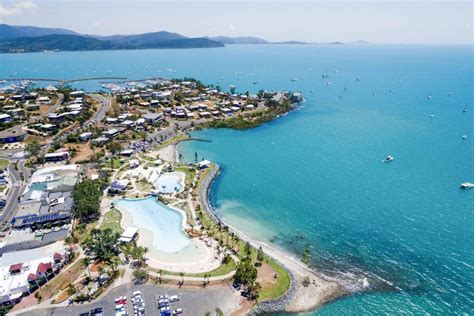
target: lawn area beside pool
<point>112,220</point>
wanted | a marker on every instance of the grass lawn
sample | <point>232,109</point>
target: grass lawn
<point>276,290</point>
<point>3,163</point>
<point>190,173</point>
<point>81,234</point>
<point>113,163</point>
<point>112,220</point>
<point>62,280</point>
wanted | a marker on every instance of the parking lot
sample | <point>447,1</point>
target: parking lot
<point>192,301</point>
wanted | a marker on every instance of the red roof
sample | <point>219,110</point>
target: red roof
<point>57,256</point>
<point>16,267</point>
<point>44,267</point>
<point>31,277</point>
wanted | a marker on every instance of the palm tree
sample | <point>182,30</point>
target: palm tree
<point>86,261</point>
<point>182,277</point>
<point>161,275</point>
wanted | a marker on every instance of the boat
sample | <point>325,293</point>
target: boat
<point>432,115</point>
<point>294,79</point>
<point>388,159</point>
<point>429,97</point>
<point>467,185</point>
<point>465,109</point>
<point>464,136</point>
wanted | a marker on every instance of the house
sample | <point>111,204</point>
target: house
<point>111,133</point>
<point>44,100</point>
<point>85,136</point>
<point>5,118</point>
<point>204,164</point>
<point>134,163</point>
<point>99,141</point>
<point>153,118</point>
<point>204,114</point>
<point>55,157</point>
<point>111,120</point>
<point>78,93</point>
<point>126,152</point>
<point>118,186</point>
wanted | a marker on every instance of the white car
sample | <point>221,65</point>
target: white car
<point>137,293</point>
<point>178,311</point>
<point>174,298</point>
<point>164,309</point>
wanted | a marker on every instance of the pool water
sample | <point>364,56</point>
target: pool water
<point>163,222</point>
<point>169,182</point>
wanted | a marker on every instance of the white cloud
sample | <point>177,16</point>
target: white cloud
<point>16,8</point>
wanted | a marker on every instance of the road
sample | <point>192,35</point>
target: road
<point>99,115</point>
<point>17,186</point>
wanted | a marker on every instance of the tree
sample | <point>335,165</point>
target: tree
<point>260,255</point>
<point>245,273</point>
<point>248,249</point>
<point>182,277</point>
<point>254,289</point>
<point>140,275</point>
<point>71,290</point>
<point>33,148</point>
<point>101,244</point>
<point>87,195</point>
<point>113,147</point>
<point>85,262</point>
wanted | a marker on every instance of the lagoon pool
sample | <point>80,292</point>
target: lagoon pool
<point>170,182</point>
<point>163,222</point>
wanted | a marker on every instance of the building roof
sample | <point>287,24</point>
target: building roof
<point>15,267</point>
<point>44,267</point>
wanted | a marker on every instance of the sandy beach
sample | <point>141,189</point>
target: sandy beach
<point>302,298</point>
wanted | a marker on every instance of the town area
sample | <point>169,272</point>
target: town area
<point>100,214</point>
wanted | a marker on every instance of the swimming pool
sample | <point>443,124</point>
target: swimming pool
<point>170,182</point>
<point>163,222</point>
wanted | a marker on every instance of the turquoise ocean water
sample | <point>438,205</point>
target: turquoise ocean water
<point>315,177</point>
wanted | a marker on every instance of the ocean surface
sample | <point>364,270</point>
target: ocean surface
<point>400,235</point>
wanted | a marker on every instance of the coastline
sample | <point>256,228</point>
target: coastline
<point>298,298</point>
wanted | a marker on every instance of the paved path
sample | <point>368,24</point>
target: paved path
<point>17,186</point>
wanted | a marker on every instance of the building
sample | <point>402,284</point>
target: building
<point>23,271</point>
<point>85,136</point>
<point>56,157</point>
<point>5,118</point>
<point>118,186</point>
<point>129,235</point>
<point>12,135</point>
<point>153,118</point>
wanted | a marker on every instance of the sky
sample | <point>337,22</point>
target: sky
<point>378,21</point>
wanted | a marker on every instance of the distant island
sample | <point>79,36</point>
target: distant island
<point>28,39</point>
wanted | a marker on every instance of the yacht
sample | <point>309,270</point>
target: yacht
<point>432,115</point>
<point>465,109</point>
<point>388,159</point>
<point>429,97</point>
<point>467,185</point>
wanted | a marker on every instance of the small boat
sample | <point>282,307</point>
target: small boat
<point>464,136</point>
<point>294,79</point>
<point>467,185</point>
<point>255,82</point>
<point>432,115</point>
<point>388,159</point>
<point>429,97</point>
<point>465,109</point>
<point>391,90</point>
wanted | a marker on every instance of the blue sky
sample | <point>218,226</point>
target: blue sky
<point>314,21</point>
